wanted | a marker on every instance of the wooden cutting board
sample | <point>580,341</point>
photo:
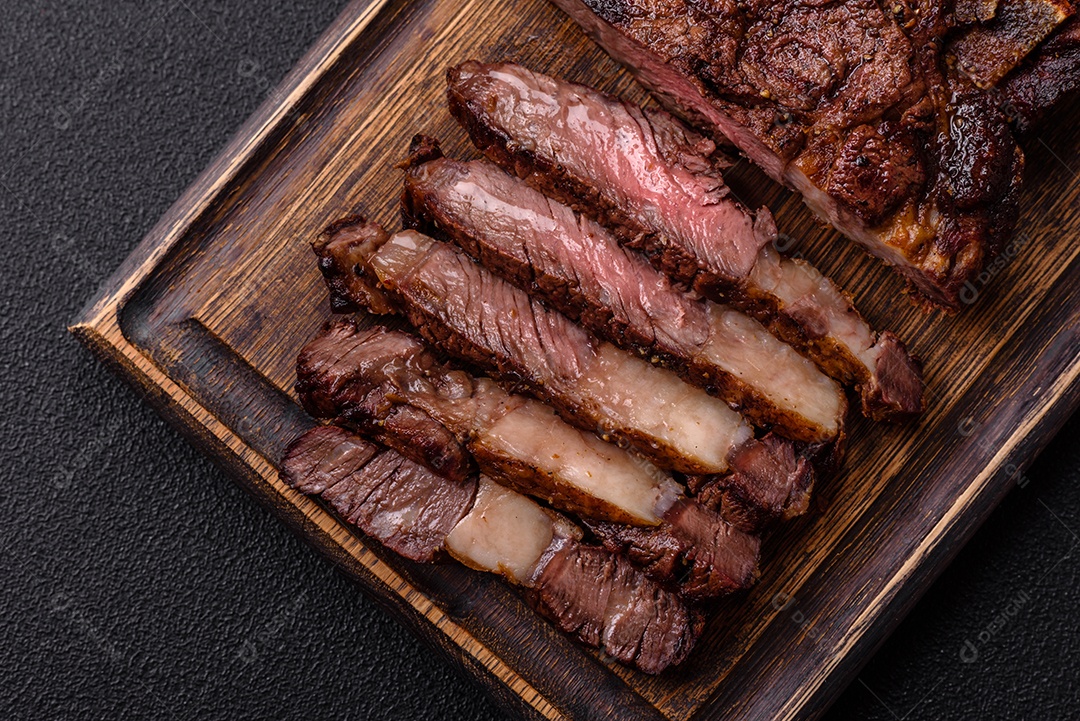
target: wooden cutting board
<point>207,315</point>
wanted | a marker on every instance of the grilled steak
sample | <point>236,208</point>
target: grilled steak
<point>610,160</point>
<point>580,270</point>
<point>847,103</point>
<point>403,505</point>
<point>601,598</point>
<point>987,53</point>
<point>585,590</point>
<point>521,443</point>
<point>589,384</point>
<point>461,307</point>
<point>1050,74</point>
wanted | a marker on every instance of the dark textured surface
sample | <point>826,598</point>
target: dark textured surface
<point>140,582</point>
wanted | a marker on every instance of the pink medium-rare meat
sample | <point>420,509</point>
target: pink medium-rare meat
<point>557,136</point>
<point>539,245</point>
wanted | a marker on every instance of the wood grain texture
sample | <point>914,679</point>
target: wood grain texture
<point>206,318</point>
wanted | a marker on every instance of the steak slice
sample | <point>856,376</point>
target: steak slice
<point>1049,75</point>
<point>523,444</point>
<point>585,590</point>
<point>603,157</point>
<point>401,504</point>
<point>849,104</point>
<point>602,598</point>
<point>987,53</point>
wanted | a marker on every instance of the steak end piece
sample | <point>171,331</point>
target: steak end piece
<point>343,249</point>
<point>767,476</point>
<point>708,555</point>
<point>606,602</point>
<point>403,505</point>
<point>330,388</point>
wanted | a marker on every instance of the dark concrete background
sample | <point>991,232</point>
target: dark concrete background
<point>139,582</point>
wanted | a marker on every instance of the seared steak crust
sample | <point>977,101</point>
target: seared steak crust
<point>804,89</point>
<point>1051,74</point>
<point>987,53</point>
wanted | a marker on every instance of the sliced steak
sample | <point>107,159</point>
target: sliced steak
<point>515,439</point>
<point>401,504</point>
<point>588,382</point>
<point>600,156</point>
<point>481,317</point>
<point>463,308</point>
<point>585,590</point>
<point>543,248</point>
<point>849,104</point>
<point>520,443</point>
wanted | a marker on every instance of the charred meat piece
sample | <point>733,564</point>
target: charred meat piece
<point>690,534</point>
<point>1049,75</point>
<point>579,269</point>
<point>403,505</point>
<point>342,250</point>
<point>521,443</point>
<point>329,369</point>
<point>602,157</point>
<point>753,492</point>
<point>849,104</point>
<point>597,595</point>
<point>969,12</point>
<point>986,54</point>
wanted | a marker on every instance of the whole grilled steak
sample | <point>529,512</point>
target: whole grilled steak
<point>850,103</point>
